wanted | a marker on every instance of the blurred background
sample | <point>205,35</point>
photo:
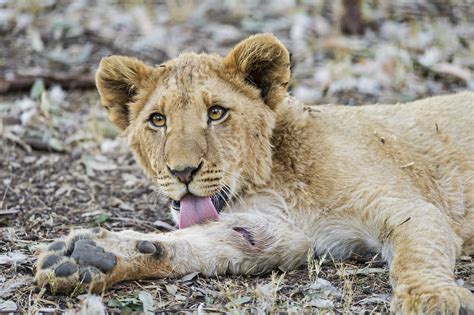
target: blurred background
<point>61,162</point>
<point>383,50</point>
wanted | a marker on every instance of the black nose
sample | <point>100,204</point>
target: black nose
<point>185,175</point>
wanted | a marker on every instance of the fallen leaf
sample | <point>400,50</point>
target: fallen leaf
<point>239,301</point>
<point>189,276</point>
<point>171,289</point>
<point>8,306</point>
<point>131,302</point>
<point>93,163</point>
<point>126,206</point>
<point>114,303</point>
<point>45,103</point>
<point>13,258</point>
<point>56,95</point>
<point>62,190</point>
<point>56,145</point>
<point>325,287</point>
<point>321,303</point>
<point>92,305</point>
<point>37,89</point>
<point>109,146</point>
<point>375,299</point>
<point>208,299</point>
<point>164,225</point>
<point>101,218</point>
<point>147,300</point>
<point>36,41</point>
<point>9,287</point>
<point>27,116</point>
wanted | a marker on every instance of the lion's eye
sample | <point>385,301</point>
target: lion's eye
<point>157,120</point>
<point>216,112</point>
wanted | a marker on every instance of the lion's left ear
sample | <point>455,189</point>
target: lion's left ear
<point>263,62</point>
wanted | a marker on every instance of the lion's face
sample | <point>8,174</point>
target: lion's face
<point>200,125</point>
<point>198,134</point>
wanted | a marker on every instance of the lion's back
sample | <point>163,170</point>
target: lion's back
<point>425,146</point>
<point>448,118</point>
<point>428,144</point>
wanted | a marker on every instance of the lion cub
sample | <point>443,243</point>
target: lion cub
<point>256,179</point>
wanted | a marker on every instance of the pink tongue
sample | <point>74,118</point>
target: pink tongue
<point>196,210</point>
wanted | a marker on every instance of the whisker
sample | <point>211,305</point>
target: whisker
<point>233,194</point>
<point>224,198</point>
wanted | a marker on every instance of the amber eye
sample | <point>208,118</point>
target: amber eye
<point>157,120</point>
<point>216,112</point>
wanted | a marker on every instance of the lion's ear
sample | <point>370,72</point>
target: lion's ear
<point>119,79</point>
<point>263,62</point>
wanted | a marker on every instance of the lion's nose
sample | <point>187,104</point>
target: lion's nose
<point>186,174</point>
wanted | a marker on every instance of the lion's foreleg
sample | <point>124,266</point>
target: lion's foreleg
<point>238,243</point>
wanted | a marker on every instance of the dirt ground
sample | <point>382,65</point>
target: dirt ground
<point>63,165</point>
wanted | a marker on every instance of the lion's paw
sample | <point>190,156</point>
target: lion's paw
<point>447,299</point>
<point>89,260</point>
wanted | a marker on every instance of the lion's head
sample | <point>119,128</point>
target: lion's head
<point>200,125</point>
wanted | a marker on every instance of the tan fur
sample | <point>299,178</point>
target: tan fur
<point>394,179</point>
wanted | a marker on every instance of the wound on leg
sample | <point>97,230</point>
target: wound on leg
<point>245,234</point>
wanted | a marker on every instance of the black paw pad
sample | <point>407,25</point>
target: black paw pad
<point>87,254</point>
<point>65,269</point>
<point>75,239</point>
<point>59,245</point>
<point>87,274</point>
<point>49,261</point>
<point>146,247</point>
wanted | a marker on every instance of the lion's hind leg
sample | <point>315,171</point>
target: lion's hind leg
<point>467,225</point>
<point>422,248</point>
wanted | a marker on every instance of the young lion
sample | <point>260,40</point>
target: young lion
<point>257,179</point>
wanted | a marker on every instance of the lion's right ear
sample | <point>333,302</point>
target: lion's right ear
<point>119,79</point>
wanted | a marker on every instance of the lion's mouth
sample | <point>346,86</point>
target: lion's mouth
<point>197,210</point>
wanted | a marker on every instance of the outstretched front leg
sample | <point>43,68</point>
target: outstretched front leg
<point>238,244</point>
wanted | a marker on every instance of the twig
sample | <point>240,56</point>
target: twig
<point>408,165</point>
<point>66,80</point>
<point>8,212</point>
<point>135,222</point>
<point>4,196</point>
<point>38,145</point>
